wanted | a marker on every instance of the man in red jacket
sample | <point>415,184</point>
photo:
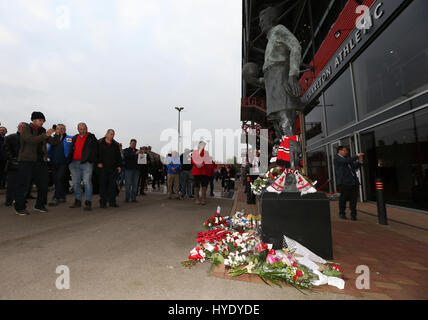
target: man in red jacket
<point>200,160</point>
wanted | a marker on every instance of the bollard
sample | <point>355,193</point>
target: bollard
<point>381,208</point>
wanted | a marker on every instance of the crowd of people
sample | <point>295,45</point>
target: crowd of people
<point>40,157</point>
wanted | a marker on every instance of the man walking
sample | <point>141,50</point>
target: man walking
<point>173,164</point>
<point>81,158</point>
<point>58,155</point>
<point>109,166</point>
<point>347,180</point>
<point>132,172</point>
<point>10,152</point>
<point>32,158</point>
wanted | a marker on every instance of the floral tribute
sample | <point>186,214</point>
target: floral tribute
<point>215,221</point>
<point>241,221</point>
<point>238,246</point>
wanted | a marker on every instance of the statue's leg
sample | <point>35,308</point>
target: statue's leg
<point>275,119</point>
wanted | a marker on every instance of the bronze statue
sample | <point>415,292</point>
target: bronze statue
<point>281,71</point>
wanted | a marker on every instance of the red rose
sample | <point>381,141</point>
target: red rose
<point>295,278</point>
<point>235,244</point>
<point>342,277</point>
<point>299,273</point>
<point>216,249</point>
<point>295,265</point>
<point>272,252</point>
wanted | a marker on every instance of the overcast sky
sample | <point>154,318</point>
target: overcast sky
<point>121,64</point>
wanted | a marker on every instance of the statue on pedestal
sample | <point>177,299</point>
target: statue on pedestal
<point>281,71</point>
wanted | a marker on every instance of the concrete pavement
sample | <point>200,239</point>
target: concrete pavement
<point>133,252</point>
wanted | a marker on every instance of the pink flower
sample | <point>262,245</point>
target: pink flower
<point>271,259</point>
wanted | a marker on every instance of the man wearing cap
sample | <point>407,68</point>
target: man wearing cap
<point>32,160</point>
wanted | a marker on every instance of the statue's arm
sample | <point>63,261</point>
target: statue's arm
<point>290,41</point>
<point>295,51</point>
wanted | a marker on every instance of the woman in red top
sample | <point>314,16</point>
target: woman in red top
<point>200,160</point>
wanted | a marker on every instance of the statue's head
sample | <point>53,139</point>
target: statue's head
<point>268,18</point>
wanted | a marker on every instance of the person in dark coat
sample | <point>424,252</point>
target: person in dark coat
<point>58,155</point>
<point>109,166</point>
<point>132,171</point>
<point>347,180</point>
<point>144,171</point>
<point>32,158</point>
<point>82,156</point>
<point>3,132</point>
<point>10,153</point>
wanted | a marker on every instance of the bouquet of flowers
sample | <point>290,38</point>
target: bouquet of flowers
<point>242,222</point>
<point>216,221</point>
<point>259,185</point>
<point>274,268</point>
<point>334,270</point>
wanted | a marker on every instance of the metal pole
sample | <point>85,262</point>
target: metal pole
<point>178,142</point>
<point>178,147</point>
<point>381,208</point>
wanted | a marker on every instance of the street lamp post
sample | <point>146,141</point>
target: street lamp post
<point>179,109</point>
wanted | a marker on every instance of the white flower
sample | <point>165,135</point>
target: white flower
<point>209,247</point>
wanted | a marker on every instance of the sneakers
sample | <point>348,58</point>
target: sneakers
<point>22,212</point>
<point>77,204</point>
<point>41,209</point>
<point>342,216</point>
<point>8,204</point>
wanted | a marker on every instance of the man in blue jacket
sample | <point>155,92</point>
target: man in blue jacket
<point>347,180</point>
<point>58,156</point>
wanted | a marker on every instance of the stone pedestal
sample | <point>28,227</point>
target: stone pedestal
<point>305,219</point>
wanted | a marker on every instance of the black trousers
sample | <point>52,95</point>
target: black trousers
<point>32,171</point>
<point>58,176</point>
<point>107,187</point>
<point>156,180</point>
<point>12,183</point>
<point>348,193</point>
<point>2,173</point>
<point>144,172</point>
<point>211,180</point>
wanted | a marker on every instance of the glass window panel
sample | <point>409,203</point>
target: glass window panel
<point>339,103</point>
<point>395,65</point>
<point>397,152</point>
<point>318,168</point>
<point>314,125</point>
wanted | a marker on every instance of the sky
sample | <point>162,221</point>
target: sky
<point>122,64</point>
